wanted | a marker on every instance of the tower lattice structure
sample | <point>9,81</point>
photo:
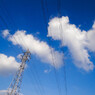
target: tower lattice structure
<point>14,88</point>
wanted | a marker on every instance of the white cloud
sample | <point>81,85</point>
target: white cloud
<point>5,33</point>
<point>47,71</point>
<point>19,56</point>
<point>91,38</point>
<point>37,33</point>
<point>76,40</point>
<point>8,65</point>
<point>39,48</point>
<point>5,92</point>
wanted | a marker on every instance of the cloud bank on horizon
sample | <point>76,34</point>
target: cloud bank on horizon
<point>78,42</point>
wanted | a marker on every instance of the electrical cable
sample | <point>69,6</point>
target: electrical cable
<point>20,38</point>
<point>45,21</point>
<point>36,75</point>
<point>61,29</point>
<point>7,28</point>
<point>37,82</point>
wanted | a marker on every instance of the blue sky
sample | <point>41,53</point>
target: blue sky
<point>28,15</point>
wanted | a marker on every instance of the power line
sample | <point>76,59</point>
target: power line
<point>1,18</point>
<point>59,7</point>
<point>37,87</point>
<point>17,42</point>
<point>7,13</point>
<point>35,75</point>
<point>45,21</point>
<point>61,29</point>
<point>20,38</point>
<point>65,77</point>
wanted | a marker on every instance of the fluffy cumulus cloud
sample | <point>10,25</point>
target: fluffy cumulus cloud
<point>91,38</point>
<point>39,48</point>
<point>8,65</point>
<point>77,41</point>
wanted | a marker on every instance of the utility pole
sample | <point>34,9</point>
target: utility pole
<point>15,85</point>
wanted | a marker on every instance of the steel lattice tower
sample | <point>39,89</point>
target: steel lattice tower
<point>15,85</point>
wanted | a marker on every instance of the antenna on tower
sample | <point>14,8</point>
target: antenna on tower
<point>15,85</point>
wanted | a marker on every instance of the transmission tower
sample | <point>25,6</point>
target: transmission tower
<point>15,85</point>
